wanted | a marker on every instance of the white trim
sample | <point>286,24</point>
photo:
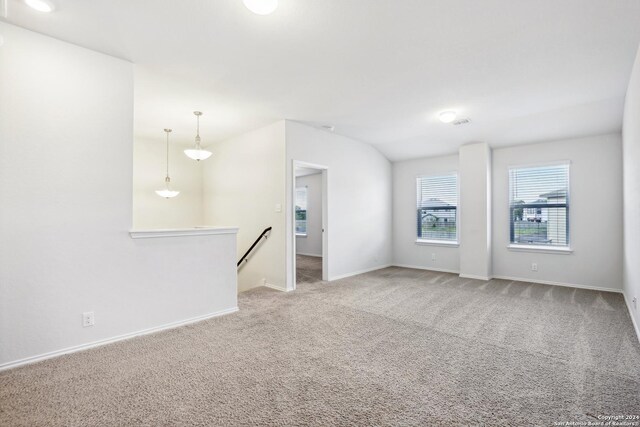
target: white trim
<point>539,164</point>
<point>82,347</point>
<point>473,276</point>
<point>633,319</point>
<point>276,287</point>
<point>315,255</point>
<point>308,165</point>
<point>291,241</point>
<point>446,243</point>
<point>564,250</point>
<point>355,273</point>
<point>420,267</point>
<point>181,232</point>
<point>550,282</point>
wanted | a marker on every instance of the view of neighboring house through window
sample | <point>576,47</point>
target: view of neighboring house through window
<point>539,205</point>
<point>437,208</point>
<point>301,211</point>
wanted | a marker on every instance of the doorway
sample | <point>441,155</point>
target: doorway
<point>309,223</point>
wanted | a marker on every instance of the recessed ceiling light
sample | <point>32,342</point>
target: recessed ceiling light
<point>40,5</point>
<point>261,7</point>
<point>447,116</point>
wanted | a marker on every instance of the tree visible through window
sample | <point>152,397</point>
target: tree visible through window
<point>539,205</point>
<point>301,211</point>
<point>437,207</point>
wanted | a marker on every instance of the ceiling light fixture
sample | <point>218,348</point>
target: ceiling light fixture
<point>198,153</point>
<point>40,5</point>
<point>167,192</point>
<point>261,7</point>
<point>447,116</point>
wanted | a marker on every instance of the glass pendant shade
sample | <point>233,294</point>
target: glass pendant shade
<point>197,153</point>
<point>167,192</point>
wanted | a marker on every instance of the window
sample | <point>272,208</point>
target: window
<point>437,208</point>
<point>301,211</point>
<point>539,205</point>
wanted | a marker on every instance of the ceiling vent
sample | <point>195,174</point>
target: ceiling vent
<point>462,122</point>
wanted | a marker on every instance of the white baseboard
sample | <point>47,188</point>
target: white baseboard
<point>515,279</point>
<point>633,319</point>
<point>420,267</point>
<point>74,349</point>
<point>276,287</point>
<point>550,282</point>
<point>355,273</point>
<point>315,255</point>
<point>473,276</point>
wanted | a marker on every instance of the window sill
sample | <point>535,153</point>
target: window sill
<point>301,235</point>
<point>541,249</point>
<point>437,243</point>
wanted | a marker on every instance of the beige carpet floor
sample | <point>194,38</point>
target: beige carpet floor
<point>393,347</point>
<point>308,269</point>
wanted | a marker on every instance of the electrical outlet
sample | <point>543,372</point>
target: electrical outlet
<point>534,266</point>
<point>88,319</point>
<point>433,257</point>
<point>278,207</point>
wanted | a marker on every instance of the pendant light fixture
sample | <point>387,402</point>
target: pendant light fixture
<point>167,192</point>
<point>198,153</point>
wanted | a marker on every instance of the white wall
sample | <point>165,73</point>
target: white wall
<point>359,199</point>
<point>244,180</point>
<point>311,244</point>
<point>66,158</point>
<point>596,257</point>
<point>149,168</point>
<point>631,150</point>
<point>595,213</point>
<point>406,252</point>
<point>475,211</point>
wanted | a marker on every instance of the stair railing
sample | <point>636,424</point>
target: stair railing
<point>264,234</point>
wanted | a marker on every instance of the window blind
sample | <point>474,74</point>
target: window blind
<point>437,207</point>
<point>301,210</point>
<point>539,205</point>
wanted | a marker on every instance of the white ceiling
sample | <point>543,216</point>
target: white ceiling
<point>378,70</point>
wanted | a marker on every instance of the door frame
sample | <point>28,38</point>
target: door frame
<point>325,217</point>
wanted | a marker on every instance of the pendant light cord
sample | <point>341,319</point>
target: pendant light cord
<point>167,179</point>
<point>198,132</point>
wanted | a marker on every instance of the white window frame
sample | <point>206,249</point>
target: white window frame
<point>431,242</point>
<point>558,250</point>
